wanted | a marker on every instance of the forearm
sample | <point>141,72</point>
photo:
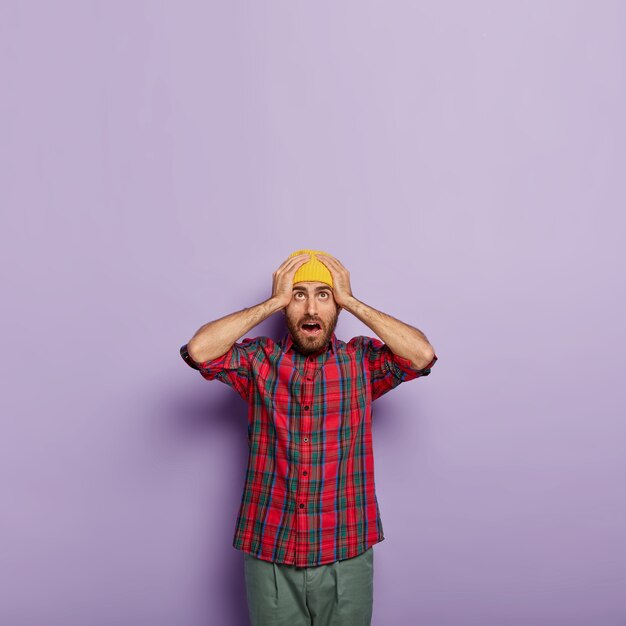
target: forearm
<point>216,338</point>
<point>402,339</point>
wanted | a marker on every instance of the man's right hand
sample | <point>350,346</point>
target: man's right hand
<point>215,338</point>
<point>282,288</point>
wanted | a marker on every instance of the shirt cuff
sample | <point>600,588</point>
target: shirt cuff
<point>406,365</point>
<point>185,356</point>
<point>204,367</point>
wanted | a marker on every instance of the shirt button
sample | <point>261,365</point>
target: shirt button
<point>306,439</point>
<point>309,378</point>
<point>305,473</point>
<point>306,408</point>
<point>302,506</point>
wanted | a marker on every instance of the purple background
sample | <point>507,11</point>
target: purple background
<point>465,161</point>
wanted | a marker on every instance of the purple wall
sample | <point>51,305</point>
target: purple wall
<point>465,161</point>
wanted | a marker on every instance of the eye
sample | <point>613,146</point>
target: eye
<point>324,293</point>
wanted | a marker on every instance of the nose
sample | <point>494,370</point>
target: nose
<point>311,307</point>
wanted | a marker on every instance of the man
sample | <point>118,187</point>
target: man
<point>309,515</point>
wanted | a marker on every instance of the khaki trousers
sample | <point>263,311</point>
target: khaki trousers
<point>336,594</point>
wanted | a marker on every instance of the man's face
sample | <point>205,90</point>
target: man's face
<point>311,302</point>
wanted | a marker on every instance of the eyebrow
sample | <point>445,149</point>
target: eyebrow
<point>316,289</point>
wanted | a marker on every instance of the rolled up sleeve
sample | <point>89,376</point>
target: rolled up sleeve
<point>232,368</point>
<point>388,370</point>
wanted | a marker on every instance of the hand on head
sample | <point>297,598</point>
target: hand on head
<point>282,286</point>
<point>342,290</point>
<point>312,265</point>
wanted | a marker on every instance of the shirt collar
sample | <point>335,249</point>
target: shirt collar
<point>287,344</point>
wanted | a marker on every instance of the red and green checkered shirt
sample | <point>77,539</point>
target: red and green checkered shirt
<point>309,494</point>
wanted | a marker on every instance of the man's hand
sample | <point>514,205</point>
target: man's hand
<point>217,337</point>
<point>282,287</point>
<point>404,340</point>
<point>342,291</point>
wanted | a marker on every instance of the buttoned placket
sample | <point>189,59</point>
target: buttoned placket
<point>304,466</point>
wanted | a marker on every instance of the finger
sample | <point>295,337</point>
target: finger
<point>324,257</point>
<point>300,258</point>
<point>295,259</point>
<point>329,266</point>
<point>294,268</point>
<point>329,258</point>
<point>331,263</point>
<point>287,273</point>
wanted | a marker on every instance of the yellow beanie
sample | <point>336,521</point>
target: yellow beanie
<point>313,270</point>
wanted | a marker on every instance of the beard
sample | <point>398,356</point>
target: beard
<point>307,344</point>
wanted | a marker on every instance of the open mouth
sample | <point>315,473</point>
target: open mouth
<point>312,329</point>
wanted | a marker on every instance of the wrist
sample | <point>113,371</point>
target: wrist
<point>275,304</point>
<point>348,304</point>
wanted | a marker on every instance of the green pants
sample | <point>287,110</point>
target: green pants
<point>336,594</point>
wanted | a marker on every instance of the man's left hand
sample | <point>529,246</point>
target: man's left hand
<point>342,291</point>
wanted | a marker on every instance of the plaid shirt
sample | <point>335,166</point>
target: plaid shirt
<point>309,494</point>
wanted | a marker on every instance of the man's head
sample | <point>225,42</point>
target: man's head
<point>312,313</point>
